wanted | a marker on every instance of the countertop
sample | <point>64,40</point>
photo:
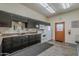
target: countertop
<point>15,34</point>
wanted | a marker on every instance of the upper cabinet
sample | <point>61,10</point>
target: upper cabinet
<point>18,18</point>
<point>34,23</point>
<point>31,24</point>
<point>5,19</point>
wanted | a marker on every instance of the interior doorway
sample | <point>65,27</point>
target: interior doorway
<point>60,31</point>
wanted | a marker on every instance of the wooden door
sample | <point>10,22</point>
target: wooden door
<point>60,31</point>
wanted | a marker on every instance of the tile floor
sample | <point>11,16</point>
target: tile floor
<point>58,49</point>
<point>33,50</point>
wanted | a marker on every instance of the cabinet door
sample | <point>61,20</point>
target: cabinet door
<point>6,45</point>
<point>31,24</point>
<point>16,43</point>
<point>19,18</point>
<point>32,39</point>
<point>38,38</point>
<point>15,18</point>
<point>5,19</point>
<point>34,24</point>
<point>29,40</point>
<point>25,41</point>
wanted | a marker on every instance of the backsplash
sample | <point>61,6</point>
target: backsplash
<point>17,27</point>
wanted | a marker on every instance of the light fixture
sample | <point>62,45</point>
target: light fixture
<point>47,7</point>
<point>66,5</point>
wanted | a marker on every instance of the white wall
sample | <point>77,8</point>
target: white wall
<point>67,18</point>
<point>22,10</point>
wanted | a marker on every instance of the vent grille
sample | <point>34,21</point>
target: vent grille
<point>75,24</point>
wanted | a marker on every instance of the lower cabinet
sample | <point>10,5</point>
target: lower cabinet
<point>33,39</point>
<point>12,44</point>
<point>6,45</point>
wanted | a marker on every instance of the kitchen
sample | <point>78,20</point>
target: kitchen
<point>18,32</point>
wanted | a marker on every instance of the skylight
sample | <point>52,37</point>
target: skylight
<point>47,7</point>
<point>66,5</point>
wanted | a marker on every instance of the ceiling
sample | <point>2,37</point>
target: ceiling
<point>56,6</point>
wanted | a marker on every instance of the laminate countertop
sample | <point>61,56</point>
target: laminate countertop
<point>14,35</point>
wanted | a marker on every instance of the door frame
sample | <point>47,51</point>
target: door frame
<point>63,30</point>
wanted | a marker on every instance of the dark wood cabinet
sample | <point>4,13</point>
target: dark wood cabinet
<point>12,44</point>
<point>18,18</point>
<point>31,24</point>
<point>16,42</point>
<point>31,40</point>
<point>34,39</point>
<point>24,41</point>
<point>5,19</point>
<point>15,18</point>
<point>6,45</point>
